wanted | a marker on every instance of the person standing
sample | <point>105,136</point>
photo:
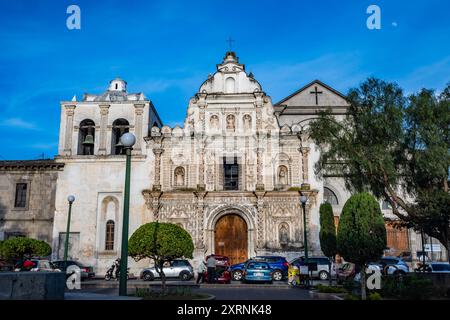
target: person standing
<point>201,271</point>
<point>211,264</point>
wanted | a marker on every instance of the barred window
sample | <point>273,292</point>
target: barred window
<point>21,195</point>
<point>109,240</point>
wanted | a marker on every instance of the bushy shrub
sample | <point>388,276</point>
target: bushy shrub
<point>410,287</point>
<point>374,296</point>
<point>329,289</point>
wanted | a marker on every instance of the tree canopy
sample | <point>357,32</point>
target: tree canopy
<point>361,236</point>
<point>395,147</point>
<point>160,242</point>
<point>327,234</point>
<point>21,248</point>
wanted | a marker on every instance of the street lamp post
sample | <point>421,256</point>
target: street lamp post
<point>303,200</point>
<point>70,199</point>
<point>127,140</point>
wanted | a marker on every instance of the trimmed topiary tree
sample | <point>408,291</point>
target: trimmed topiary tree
<point>327,234</point>
<point>161,242</point>
<point>361,234</point>
<point>22,248</point>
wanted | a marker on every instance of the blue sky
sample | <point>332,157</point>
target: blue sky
<point>167,48</point>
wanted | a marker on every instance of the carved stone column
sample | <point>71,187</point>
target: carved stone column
<point>157,184</point>
<point>138,111</point>
<point>305,163</point>
<point>259,169</point>
<point>70,110</point>
<point>104,110</point>
<point>260,219</point>
<point>201,166</point>
<point>200,230</point>
<point>152,201</point>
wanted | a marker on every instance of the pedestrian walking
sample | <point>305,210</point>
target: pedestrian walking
<point>211,264</point>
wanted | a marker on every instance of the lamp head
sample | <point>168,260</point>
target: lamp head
<point>303,199</point>
<point>71,198</point>
<point>128,140</point>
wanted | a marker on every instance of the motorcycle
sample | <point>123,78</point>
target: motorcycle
<point>110,274</point>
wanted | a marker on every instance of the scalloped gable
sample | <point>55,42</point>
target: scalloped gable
<point>306,96</point>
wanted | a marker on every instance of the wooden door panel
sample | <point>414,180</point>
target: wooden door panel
<point>231,238</point>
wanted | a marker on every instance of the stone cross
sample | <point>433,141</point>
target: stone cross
<point>316,93</point>
<point>230,42</point>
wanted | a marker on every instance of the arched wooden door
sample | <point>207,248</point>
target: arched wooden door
<point>231,238</point>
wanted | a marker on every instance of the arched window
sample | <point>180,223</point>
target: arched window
<point>179,176</point>
<point>119,127</point>
<point>109,239</point>
<point>229,85</point>
<point>329,196</point>
<point>86,137</point>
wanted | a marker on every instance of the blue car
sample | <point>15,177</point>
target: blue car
<point>278,264</point>
<point>257,271</point>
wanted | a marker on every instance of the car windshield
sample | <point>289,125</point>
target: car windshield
<point>441,267</point>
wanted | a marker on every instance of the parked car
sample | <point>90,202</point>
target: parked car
<point>38,265</point>
<point>345,271</point>
<point>322,271</point>
<point>6,266</point>
<point>223,274</point>
<point>86,271</point>
<point>278,264</point>
<point>257,271</point>
<point>392,265</point>
<point>178,268</point>
<point>438,267</point>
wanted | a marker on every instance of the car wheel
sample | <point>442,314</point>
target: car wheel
<point>237,275</point>
<point>277,275</point>
<point>323,275</point>
<point>399,273</point>
<point>148,276</point>
<point>184,276</point>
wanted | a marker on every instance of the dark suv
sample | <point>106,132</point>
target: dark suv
<point>278,264</point>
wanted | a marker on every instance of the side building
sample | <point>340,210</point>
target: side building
<point>27,198</point>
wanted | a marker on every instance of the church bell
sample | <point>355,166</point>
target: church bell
<point>89,140</point>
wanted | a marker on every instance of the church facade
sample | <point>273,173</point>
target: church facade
<point>231,176</point>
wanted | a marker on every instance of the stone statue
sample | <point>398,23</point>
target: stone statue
<point>282,175</point>
<point>230,122</point>
<point>179,176</point>
<point>214,122</point>
<point>283,235</point>
<point>247,122</point>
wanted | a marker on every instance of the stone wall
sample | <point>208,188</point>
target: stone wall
<point>32,285</point>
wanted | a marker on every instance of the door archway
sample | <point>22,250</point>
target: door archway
<point>231,238</point>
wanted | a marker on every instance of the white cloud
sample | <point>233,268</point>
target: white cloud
<point>18,123</point>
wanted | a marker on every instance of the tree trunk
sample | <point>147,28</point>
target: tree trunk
<point>448,250</point>
<point>363,282</point>
<point>163,281</point>
<point>329,272</point>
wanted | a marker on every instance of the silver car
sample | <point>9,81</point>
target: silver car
<point>178,268</point>
<point>322,271</point>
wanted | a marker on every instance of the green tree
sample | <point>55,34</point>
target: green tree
<point>327,234</point>
<point>388,143</point>
<point>361,236</point>
<point>161,242</point>
<point>22,248</point>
